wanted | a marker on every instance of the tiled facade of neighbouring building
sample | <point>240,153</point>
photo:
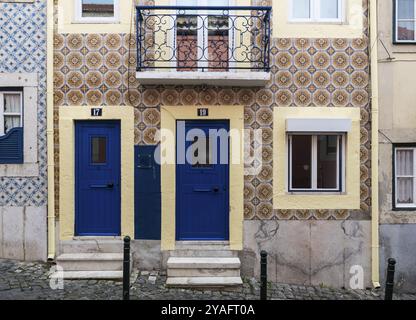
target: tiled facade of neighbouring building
<point>23,176</point>
<point>309,240</point>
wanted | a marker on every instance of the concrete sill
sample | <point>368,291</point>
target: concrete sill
<point>234,79</point>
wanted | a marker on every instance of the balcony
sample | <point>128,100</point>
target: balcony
<point>222,46</point>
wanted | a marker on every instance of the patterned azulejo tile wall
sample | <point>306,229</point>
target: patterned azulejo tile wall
<point>23,49</point>
<point>99,69</point>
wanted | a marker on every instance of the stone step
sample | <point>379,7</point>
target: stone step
<point>109,275</point>
<point>90,261</point>
<point>203,281</point>
<point>200,272</point>
<point>202,253</point>
<point>91,246</point>
<point>203,263</point>
<point>202,245</point>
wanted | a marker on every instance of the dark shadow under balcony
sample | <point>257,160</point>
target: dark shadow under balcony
<point>222,46</point>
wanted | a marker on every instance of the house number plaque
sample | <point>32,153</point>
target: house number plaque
<point>202,112</point>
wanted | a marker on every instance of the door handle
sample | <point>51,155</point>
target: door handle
<point>216,189</point>
<point>102,186</point>
<point>202,190</point>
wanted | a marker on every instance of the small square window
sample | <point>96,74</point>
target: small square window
<point>97,8</point>
<point>97,11</point>
<point>315,162</point>
<point>316,10</point>
<point>405,177</point>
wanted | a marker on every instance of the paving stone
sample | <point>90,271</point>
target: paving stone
<point>30,281</point>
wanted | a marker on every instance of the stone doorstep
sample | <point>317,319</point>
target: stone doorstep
<point>91,262</point>
<point>204,281</point>
<point>99,275</point>
<point>203,263</point>
<point>202,272</point>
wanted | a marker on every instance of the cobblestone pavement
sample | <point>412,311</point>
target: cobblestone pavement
<point>31,281</point>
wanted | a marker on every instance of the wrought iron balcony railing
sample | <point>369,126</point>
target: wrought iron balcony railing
<point>203,38</point>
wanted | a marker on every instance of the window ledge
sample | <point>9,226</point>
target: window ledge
<point>19,170</point>
<point>316,193</point>
<point>243,79</point>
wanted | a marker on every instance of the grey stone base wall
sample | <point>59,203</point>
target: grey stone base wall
<point>147,254</point>
<point>398,241</point>
<point>308,252</point>
<point>23,233</point>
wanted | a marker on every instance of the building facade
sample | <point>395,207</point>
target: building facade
<point>290,81</point>
<point>397,52</point>
<point>23,157</point>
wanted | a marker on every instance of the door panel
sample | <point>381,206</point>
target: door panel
<point>97,178</point>
<point>202,204</point>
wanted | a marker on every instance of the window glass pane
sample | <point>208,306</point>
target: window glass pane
<point>99,150</point>
<point>11,122</point>
<point>301,162</point>
<point>98,8</point>
<point>301,9</point>
<point>201,152</point>
<point>11,103</point>
<point>327,162</point>
<point>405,9</point>
<point>329,9</point>
<point>405,30</point>
<point>404,190</point>
<point>404,162</point>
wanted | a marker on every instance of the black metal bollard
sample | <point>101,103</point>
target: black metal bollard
<point>388,295</point>
<point>263,275</point>
<point>126,269</point>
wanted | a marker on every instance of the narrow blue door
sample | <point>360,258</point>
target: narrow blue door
<point>97,178</point>
<point>202,197</point>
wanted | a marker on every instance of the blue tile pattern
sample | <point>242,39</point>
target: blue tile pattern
<point>23,49</point>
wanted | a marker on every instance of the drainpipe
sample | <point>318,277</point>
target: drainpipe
<point>373,45</point>
<point>49,132</point>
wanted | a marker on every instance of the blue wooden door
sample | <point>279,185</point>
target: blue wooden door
<point>202,197</point>
<point>97,178</point>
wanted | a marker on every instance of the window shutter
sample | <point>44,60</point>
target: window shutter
<point>11,147</point>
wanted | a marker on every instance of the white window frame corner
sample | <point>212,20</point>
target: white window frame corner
<point>78,18</point>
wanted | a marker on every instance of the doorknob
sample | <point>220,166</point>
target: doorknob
<point>110,185</point>
<point>215,189</point>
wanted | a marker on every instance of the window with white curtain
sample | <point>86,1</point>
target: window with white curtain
<point>404,180</point>
<point>405,21</point>
<point>11,113</point>
<point>316,10</point>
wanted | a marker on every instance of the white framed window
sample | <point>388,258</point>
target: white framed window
<point>404,21</point>
<point>97,11</point>
<point>11,111</point>
<point>316,10</point>
<point>316,162</point>
<point>404,177</point>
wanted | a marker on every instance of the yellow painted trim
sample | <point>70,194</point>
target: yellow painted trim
<point>169,115</point>
<point>375,259</point>
<point>352,27</point>
<point>281,198</point>
<point>67,116</point>
<point>67,24</point>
